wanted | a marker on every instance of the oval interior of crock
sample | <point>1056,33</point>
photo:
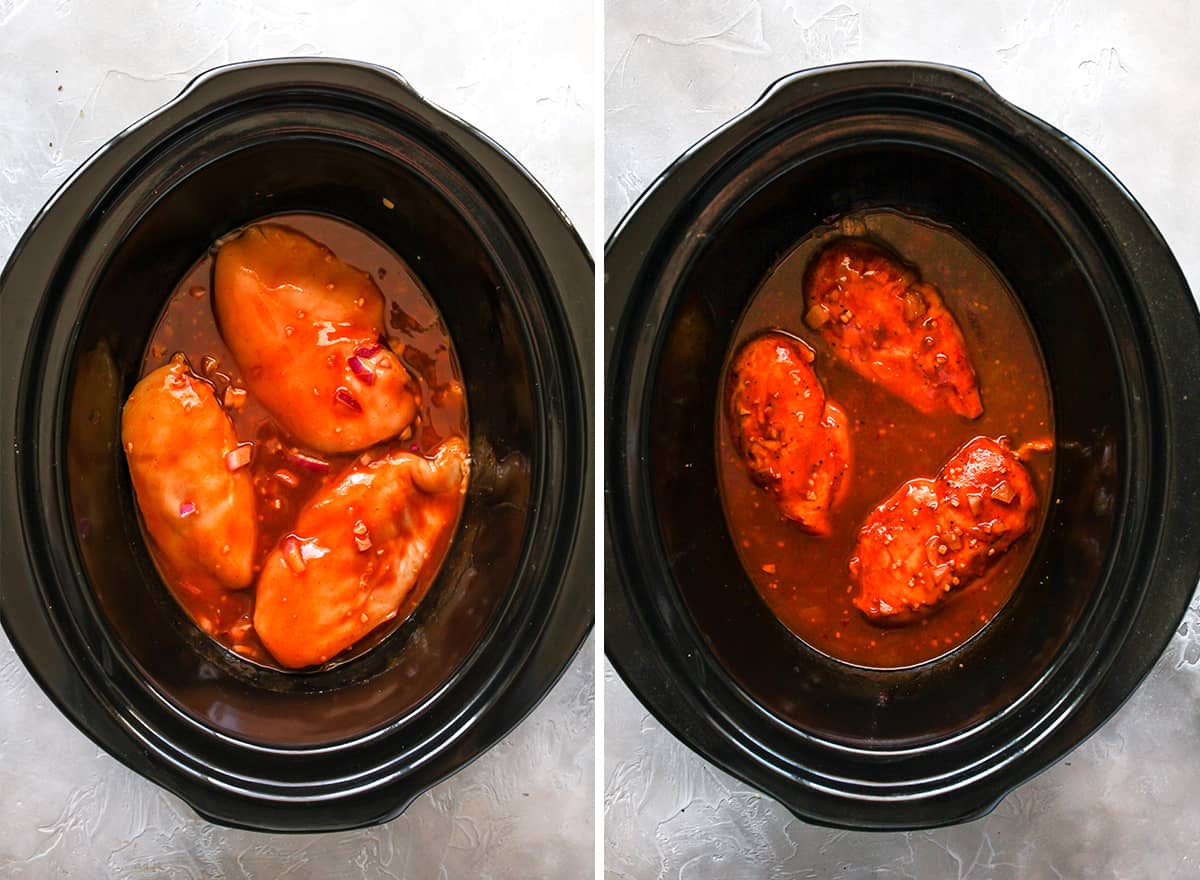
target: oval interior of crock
<point>434,226</point>
<point>764,209</point>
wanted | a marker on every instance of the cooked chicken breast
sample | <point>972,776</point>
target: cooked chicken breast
<point>890,327</point>
<point>794,441</point>
<point>934,536</point>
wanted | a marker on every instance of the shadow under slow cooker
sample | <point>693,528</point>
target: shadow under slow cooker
<point>429,219</point>
<point>751,217</point>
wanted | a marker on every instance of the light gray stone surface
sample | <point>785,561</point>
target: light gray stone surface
<point>74,73</point>
<point>1124,80</point>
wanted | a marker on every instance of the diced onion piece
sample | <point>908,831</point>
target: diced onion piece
<point>975,502</point>
<point>344,397</point>
<point>239,457</point>
<point>209,364</point>
<point>235,398</point>
<point>368,351</point>
<point>308,462</point>
<point>931,550</point>
<point>362,538</point>
<point>361,370</point>
<point>286,477</point>
<point>914,306</point>
<point>817,316</point>
<point>922,495</point>
<point>187,508</point>
<point>1003,492</point>
<point>293,554</point>
<point>1027,449</point>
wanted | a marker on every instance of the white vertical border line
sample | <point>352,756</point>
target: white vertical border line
<point>598,329</point>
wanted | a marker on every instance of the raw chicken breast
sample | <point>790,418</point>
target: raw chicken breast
<point>306,330</point>
<point>190,478</point>
<point>355,552</point>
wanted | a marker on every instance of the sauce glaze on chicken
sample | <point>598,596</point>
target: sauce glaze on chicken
<point>179,442</point>
<point>890,327</point>
<point>794,439</point>
<point>933,536</point>
<point>805,578</point>
<point>300,465</point>
<point>305,330</point>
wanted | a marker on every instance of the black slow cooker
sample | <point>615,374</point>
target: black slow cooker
<point>1118,560</point>
<point>82,602</point>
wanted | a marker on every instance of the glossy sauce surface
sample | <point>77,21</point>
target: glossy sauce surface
<point>805,579</point>
<point>282,482</point>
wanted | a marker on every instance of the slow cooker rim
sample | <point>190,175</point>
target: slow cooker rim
<point>561,261</point>
<point>791,91</point>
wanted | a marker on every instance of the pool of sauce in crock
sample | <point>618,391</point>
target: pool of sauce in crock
<point>805,579</point>
<point>417,333</point>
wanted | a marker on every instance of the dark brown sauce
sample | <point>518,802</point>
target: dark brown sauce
<point>804,579</point>
<point>189,325</point>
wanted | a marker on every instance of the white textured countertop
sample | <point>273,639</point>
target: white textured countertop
<point>74,73</point>
<point>1124,80</point>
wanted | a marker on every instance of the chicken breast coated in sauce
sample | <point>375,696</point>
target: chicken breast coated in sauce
<point>355,552</point>
<point>190,477</point>
<point>306,330</point>
<point>793,440</point>
<point>934,536</point>
<point>890,327</point>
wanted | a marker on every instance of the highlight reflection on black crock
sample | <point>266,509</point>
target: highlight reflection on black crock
<point>92,447</point>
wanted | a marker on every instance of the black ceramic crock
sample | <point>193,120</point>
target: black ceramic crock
<point>82,602</point>
<point>1115,567</point>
